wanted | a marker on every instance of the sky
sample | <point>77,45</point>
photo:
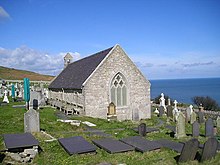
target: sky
<point>166,39</point>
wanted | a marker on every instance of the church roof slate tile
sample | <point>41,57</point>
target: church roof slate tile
<point>76,73</point>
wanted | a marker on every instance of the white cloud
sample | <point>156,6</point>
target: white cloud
<point>32,60</point>
<point>3,14</point>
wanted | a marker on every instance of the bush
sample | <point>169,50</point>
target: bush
<point>207,102</point>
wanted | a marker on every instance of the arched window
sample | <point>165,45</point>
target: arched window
<point>119,90</point>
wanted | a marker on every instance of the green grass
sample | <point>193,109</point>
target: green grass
<point>11,121</point>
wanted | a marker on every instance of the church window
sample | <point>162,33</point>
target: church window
<point>119,90</point>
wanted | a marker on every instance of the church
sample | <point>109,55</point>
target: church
<point>103,85</point>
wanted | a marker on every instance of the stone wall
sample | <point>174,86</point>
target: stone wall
<point>97,89</point>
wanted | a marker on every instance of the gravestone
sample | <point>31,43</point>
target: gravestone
<point>35,104</point>
<point>161,111</point>
<point>201,117</point>
<point>170,111</point>
<point>156,111</point>
<point>162,101</point>
<point>175,110</point>
<point>31,121</point>
<point>189,150</point>
<point>193,117</point>
<point>180,126</point>
<point>142,129</point>
<point>218,122</point>
<point>209,128</point>
<point>209,149</point>
<point>34,95</point>
<point>5,99</point>
<point>188,113</point>
<point>195,129</point>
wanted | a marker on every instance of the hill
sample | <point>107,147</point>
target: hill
<point>16,74</point>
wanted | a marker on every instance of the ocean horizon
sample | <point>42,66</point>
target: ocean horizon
<point>183,90</point>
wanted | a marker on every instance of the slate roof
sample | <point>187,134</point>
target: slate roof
<point>76,73</point>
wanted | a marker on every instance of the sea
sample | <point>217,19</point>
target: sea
<point>183,90</point>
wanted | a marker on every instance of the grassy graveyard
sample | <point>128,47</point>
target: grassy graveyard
<point>11,121</point>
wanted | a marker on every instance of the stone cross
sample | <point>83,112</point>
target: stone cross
<point>180,126</point>
<point>31,121</point>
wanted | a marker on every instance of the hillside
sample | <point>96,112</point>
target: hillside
<point>15,74</point>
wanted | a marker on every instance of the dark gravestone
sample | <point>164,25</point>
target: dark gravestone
<point>35,104</point>
<point>201,117</point>
<point>161,111</point>
<point>112,145</point>
<point>209,128</point>
<point>209,149</point>
<point>142,129</point>
<point>195,129</point>
<point>189,150</point>
<point>76,145</point>
<point>170,111</point>
<point>171,144</point>
<point>18,141</point>
<point>141,144</point>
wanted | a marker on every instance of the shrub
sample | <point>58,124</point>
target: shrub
<point>207,102</point>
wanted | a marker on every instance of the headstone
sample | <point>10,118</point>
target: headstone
<point>201,117</point>
<point>193,117</point>
<point>209,149</point>
<point>175,110</point>
<point>188,113</point>
<point>5,99</point>
<point>156,111</point>
<point>180,126</point>
<point>189,150</point>
<point>195,129</point>
<point>161,111</point>
<point>142,129</point>
<point>209,128</point>
<point>169,103</point>
<point>162,101</point>
<point>170,111</point>
<point>31,121</point>
<point>34,95</point>
<point>35,104</point>
<point>218,122</point>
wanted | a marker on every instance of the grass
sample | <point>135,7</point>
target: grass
<point>11,121</point>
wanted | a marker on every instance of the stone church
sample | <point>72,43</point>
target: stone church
<point>103,85</point>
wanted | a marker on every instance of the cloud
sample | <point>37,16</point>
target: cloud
<point>3,14</point>
<point>29,59</point>
<point>198,64</point>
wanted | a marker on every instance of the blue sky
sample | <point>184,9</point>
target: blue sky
<point>165,38</point>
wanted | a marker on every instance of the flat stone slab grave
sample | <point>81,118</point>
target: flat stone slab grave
<point>141,144</point>
<point>148,129</point>
<point>113,146</point>
<point>171,144</point>
<point>16,141</point>
<point>76,145</point>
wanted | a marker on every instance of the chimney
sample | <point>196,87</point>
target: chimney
<point>67,60</point>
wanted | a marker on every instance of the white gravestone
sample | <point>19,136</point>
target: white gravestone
<point>162,102</point>
<point>5,100</point>
<point>175,110</point>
